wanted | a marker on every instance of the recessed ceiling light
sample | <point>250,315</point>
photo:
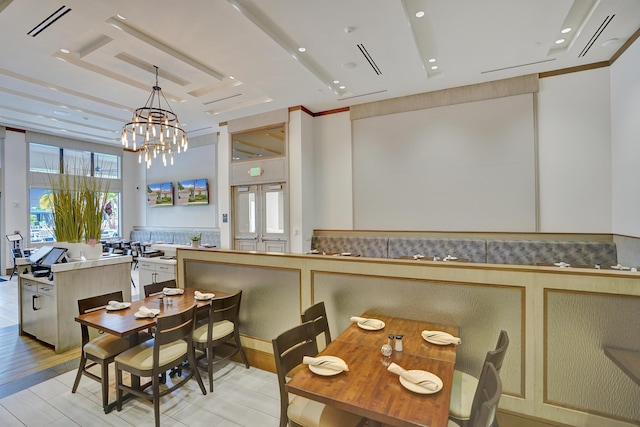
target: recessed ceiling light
<point>420,14</point>
<point>434,67</point>
<point>343,87</point>
<point>302,49</point>
<point>565,30</point>
<point>121,17</point>
<point>560,41</point>
<point>232,78</point>
<point>432,60</point>
<point>335,82</point>
<point>610,42</point>
<point>63,50</point>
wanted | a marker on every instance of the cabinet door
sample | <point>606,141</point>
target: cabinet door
<point>47,330</point>
<point>29,300</point>
<point>146,273</point>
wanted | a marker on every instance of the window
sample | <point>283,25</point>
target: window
<point>45,160</point>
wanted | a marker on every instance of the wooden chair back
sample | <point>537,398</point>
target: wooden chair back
<point>86,305</point>
<point>156,288</point>
<point>318,315</point>
<point>486,398</point>
<point>496,357</point>
<point>288,349</point>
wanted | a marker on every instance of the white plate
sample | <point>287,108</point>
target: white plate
<point>419,389</point>
<point>155,311</point>
<point>205,297</point>
<point>372,327</point>
<point>436,342</point>
<point>325,371</point>
<point>111,308</point>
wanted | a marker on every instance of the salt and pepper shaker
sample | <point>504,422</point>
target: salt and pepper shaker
<point>399,342</point>
<point>387,349</point>
<point>161,302</point>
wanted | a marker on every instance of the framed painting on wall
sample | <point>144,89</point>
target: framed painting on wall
<point>193,192</point>
<point>160,194</point>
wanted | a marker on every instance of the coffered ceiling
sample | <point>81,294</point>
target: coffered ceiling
<point>79,67</point>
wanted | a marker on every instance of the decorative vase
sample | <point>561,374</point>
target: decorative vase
<point>195,243</point>
<point>74,250</point>
<point>92,252</point>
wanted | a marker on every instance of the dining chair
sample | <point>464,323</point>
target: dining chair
<point>98,348</point>
<point>170,347</point>
<point>485,399</point>
<point>221,328</point>
<point>464,385</point>
<point>156,288</point>
<point>296,411</point>
<point>318,314</point>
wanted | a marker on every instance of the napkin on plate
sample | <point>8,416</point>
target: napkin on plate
<point>333,364</point>
<point>146,312</point>
<point>561,264</point>
<point>418,256</point>
<point>173,291</point>
<point>413,377</point>
<point>449,258</point>
<point>117,304</point>
<point>374,323</point>
<point>440,337</point>
<point>619,267</point>
<point>200,295</point>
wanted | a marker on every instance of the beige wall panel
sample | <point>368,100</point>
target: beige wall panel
<point>579,326</point>
<point>270,296</point>
<point>480,312</point>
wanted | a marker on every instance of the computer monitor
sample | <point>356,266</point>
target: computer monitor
<point>39,254</point>
<point>53,257</point>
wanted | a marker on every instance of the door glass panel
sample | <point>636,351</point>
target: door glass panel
<point>274,212</point>
<point>246,213</point>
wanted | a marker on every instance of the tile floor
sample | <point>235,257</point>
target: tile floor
<point>241,397</point>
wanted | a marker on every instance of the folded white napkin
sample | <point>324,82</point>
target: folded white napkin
<point>313,251</point>
<point>449,258</point>
<point>147,312</point>
<point>561,264</point>
<point>117,304</point>
<point>619,267</point>
<point>374,323</point>
<point>333,364</point>
<point>173,291</point>
<point>201,295</point>
<point>440,337</point>
<point>345,254</point>
<point>418,256</point>
<point>413,377</point>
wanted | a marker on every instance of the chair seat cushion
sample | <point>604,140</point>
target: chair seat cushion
<point>141,356</point>
<point>220,329</point>
<point>309,413</point>
<point>462,391</point>
<point>106,346</point>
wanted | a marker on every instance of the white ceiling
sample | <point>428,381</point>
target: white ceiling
<point>91,92</point>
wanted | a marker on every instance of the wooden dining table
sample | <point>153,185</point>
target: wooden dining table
<point>124,323</point>
<point>368,389</point>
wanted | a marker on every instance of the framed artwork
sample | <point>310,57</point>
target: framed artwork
<point>160,194</point>
<point>193,192</point>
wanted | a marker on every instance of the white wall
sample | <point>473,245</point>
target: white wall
<point>333,172</point>
<point>575,152</point>
<point>625,119</point>
<point>196,162</point>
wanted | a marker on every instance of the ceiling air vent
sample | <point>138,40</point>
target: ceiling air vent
<point>63,10</point>
<point>595,35</point>
<point>369,59</point>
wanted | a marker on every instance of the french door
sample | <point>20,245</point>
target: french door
<point>260,218</point>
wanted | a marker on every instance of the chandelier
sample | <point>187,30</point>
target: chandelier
<point>155,131</point>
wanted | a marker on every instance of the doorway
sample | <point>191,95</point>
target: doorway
<point>260,218</point>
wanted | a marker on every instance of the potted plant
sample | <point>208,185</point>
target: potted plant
<point>95,197</point>
<point>195,240</point>
<point>68,212</point>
